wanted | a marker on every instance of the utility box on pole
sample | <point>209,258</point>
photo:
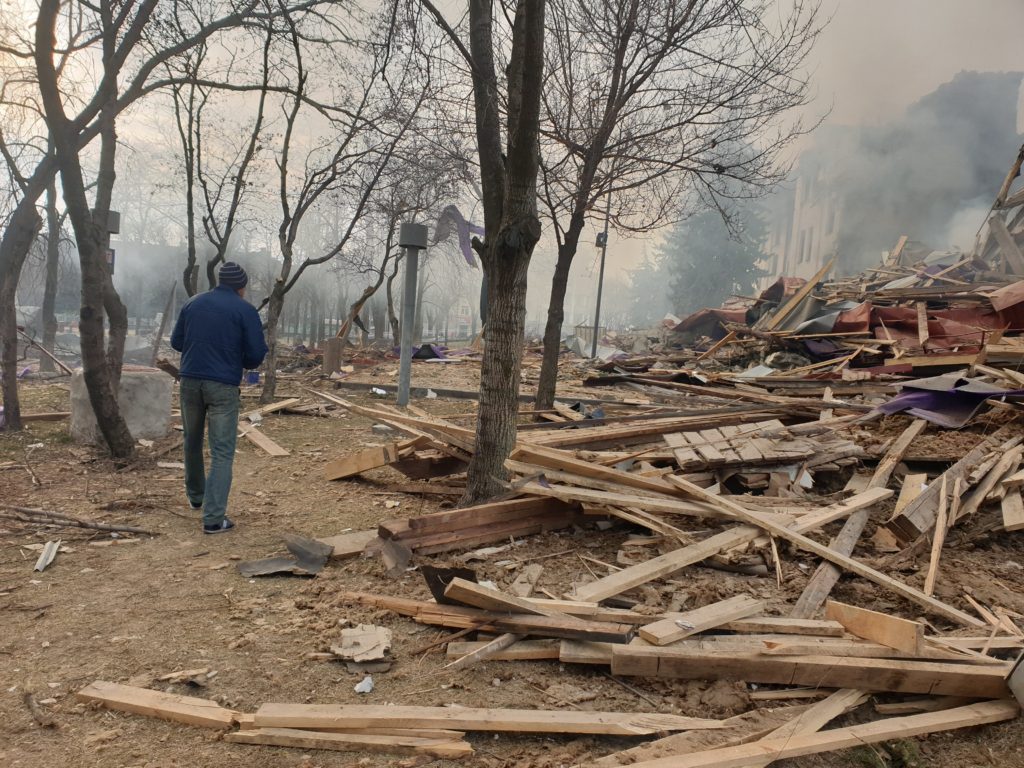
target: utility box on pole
<point>413,238</point>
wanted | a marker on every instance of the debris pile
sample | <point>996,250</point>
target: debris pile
<point>798,436</point>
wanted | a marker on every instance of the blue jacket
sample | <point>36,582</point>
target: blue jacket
<point>218,334</point>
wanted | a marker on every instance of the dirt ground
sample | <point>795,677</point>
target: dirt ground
<point>130,609</point>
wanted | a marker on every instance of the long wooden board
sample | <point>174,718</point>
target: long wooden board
<point>166,706</point>
<point>524,650</point>
<point>827,574</point>
<point>809,545</point>
<point>479,596</point>
<point>670,562</point>
<point>891,631</point>
<point>314,716</point>
<point>799,745</point>
<point>893,675</point>
<point>257,438</point>
<point>352,742</point>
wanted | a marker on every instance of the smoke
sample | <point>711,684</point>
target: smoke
<point>930,174</point>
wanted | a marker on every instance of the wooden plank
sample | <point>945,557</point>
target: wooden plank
<point>52,416</point>
<point>913,486</point>
<point>893,675</point>
<point>891,631</point>
<point>1006,464</point>
<point>585,652</point>
<point>1007,245</point>
<point>787,309</point>
<point>649,503</point>
<point>814,719</point>
<point>486,514</point>
<point>488,650</point>
<point>894,728</point>
<point>938,538</point>
<point>348,545</point>
<point>257,438</point>
<point>809,545</point>
<point>351,742</point>
<point>786,626</point>
<point>479,596</point>
<point>676,560</point>
<point>316,716</point>
<point>564,460</point>
<point>166,706</point>
<point>280,405</point>
<point>701,619</point>
<point>919,516</point>
<point>820,585</point>
<point>371,458</point>
<point>524,650</point>
<point>922,323</point>
<point>1013,511</point>
<point>527,580</point>
<point>567,627</point>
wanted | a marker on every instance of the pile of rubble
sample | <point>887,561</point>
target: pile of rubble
<point>798,426</point>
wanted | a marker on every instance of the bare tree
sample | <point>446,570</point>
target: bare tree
<point>131,41</point>
<point>509,163</point>
<point>653,108</point>
<point>216,172</point>
<point>346,166</point>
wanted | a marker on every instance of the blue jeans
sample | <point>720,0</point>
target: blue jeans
<point>201,400</point>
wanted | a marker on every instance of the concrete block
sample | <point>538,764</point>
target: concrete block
<point>145,400</point>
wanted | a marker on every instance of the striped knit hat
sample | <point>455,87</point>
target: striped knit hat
<point>232,276</point>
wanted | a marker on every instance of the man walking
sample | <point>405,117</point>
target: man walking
<point>218,334</point>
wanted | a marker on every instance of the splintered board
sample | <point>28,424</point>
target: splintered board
<point>166,706</point>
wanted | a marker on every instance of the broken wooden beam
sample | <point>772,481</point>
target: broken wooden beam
<point>166,706</point>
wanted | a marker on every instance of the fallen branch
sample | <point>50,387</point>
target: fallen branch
<point>60,520</point>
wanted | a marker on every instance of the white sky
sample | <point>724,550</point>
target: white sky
<point>875,58</point>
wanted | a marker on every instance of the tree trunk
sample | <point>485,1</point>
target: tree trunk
<point>379,313</point>
<point>553,328</point>
<point>509,185</point>
<point>22,228</point>
<point>499,379</point>
<point>52,273</point>
<point>392,317</point>
<point>274,306</point>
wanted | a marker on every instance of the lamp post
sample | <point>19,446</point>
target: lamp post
<point>413,238</point>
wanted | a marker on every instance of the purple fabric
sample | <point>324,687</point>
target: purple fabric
<point>951,409</point>
<point>450,217</point>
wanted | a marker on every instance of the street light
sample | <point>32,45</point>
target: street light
<point>413,238</point>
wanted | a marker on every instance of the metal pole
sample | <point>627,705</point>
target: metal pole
<point>600,278</point>
<point>412,257</point>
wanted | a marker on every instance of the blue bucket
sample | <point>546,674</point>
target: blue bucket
<point>252,377</point>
